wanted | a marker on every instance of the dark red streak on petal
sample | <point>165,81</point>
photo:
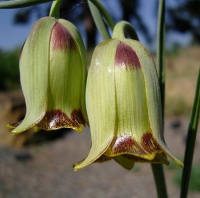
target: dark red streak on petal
<point>14,124</point>
<point>126,144</point>
<point>77,116</point>
<point>149,143</point>
<point>126,57</point>
<point>61,38</point>
<point>57,119</point>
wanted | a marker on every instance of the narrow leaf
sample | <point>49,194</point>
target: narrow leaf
<point>101,26</point>
<point>191,137</point>
<point>21,3</point>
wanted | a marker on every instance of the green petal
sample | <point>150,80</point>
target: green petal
<point>34,62</point>
<point>132,122</point>
<point>82,52</point>
<point>67,74</point>
<point>100,100</point>
<point>125,162</point>
<point>152,92</point>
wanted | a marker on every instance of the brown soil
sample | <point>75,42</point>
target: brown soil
<point>46,170</point>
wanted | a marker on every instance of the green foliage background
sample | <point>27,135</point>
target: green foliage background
<point>9,70</point>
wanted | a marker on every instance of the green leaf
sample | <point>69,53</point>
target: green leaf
<point>21,3</point>
<point>191,138</point>
<point>99,21</point>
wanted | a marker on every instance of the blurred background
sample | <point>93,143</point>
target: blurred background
<point>40,164</point>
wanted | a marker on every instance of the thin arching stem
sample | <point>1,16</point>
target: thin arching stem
<point>55,9</point>
<point>124,27</point>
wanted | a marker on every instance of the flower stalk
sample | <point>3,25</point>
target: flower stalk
<point>55,9</point>
<point>157,169</point>
<point>122,28</point>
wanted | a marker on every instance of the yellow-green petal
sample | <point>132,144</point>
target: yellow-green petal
<point>152,91</point>
<point>34,71</point>
<point>67,75</point>
<point>100,100</point>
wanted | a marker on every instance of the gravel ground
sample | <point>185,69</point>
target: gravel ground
<point>45,170</point>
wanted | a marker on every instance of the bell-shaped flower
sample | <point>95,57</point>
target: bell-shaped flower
<point>124,106</point>
<point>53,76</point>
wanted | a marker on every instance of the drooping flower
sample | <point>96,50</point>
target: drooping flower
<point>53,76</point>
<point>124,106</point>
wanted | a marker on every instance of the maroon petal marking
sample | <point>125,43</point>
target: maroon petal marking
<point>149,143</point>
<point>61,38</point>
<point>125,144</point>
<point>13,125</point>
<point>78,117</point>
<point>126,57</point>
<point>57,119</point>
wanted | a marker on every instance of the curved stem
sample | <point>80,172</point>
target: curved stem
<point>121,28</point>
<point>101,26</point>
<point>21,3</point>
<point>104,12</point>
<point>55,9</point>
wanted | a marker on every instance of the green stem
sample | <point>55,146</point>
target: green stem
<point>55,9</point>
<point>161,53</point>
<point>191,137</point>
<point>101,26</point>
<point>159,178</point>
<point>121,28</point>
<point>157,169</point>
<point>104,12</point>
<point>21,3</point>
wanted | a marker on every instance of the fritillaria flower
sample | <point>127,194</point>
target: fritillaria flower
<point>124,106</point>
<point>53,76</point>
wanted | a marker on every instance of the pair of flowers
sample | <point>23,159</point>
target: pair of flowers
<point>121,95</point>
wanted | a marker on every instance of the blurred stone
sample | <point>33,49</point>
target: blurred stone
<point>175,124</point>
<point>23,156</point>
